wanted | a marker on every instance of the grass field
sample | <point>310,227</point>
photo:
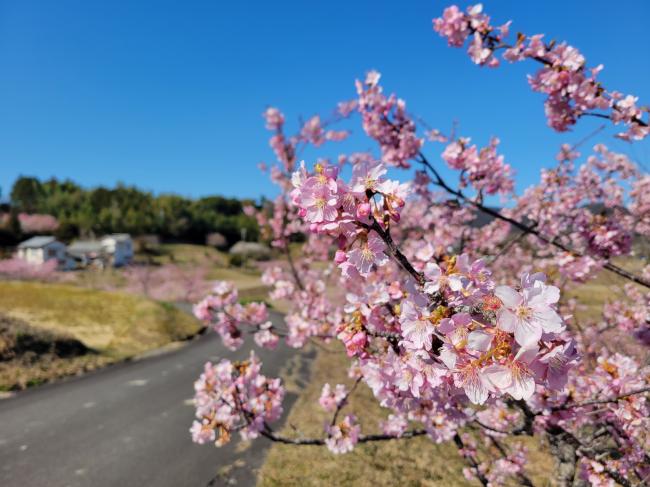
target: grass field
<point>190,254</point>
<point>112,324</point>
<point>214,260</point>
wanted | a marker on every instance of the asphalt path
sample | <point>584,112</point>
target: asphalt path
<point>127,425</point>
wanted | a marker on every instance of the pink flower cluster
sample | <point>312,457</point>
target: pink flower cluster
<point>232,320</point>
<point>234,396</point>
<point>483,169</point>
<point>342,437</point>
<point>487,343</point>
<point>572,89</point>
<point>312,314</point>
<point>584,209</point>
<point>640,204</point>
<point>334,208</point>
<point>502,471</point>
<point>385,120</point>
<point>606,237</point>
<point>37,223</point>
<point>16,268</point>
<point>330,398</point>
<point>630,313</point>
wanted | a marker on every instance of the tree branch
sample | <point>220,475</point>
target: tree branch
<point>344,401</point>
<point>521,226</point>
<point>268,433</point>
<point>394,250</point>
<point>471,460</point>
<point>600,401</point>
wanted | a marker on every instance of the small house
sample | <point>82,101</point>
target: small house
<point>119,247</point>
<point>114,250</point>
<point>88,252</point>
<point>39,249</point>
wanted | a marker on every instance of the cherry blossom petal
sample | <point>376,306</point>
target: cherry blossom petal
<point>508,296</point>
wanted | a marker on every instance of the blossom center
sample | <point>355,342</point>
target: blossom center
<point>524,312</point>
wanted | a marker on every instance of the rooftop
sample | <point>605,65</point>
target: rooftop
<point>120,237</point>
<point>37,242</point>
<point>81,247</point>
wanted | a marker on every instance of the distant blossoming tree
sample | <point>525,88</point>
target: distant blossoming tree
<point>463,332</point>
<point>20,269</point>
<point>37,223</point>
<point>168,282</point>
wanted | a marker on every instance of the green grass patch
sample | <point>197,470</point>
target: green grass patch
<point>189,254</point>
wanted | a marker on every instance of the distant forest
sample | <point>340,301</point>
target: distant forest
<point>91,212</point>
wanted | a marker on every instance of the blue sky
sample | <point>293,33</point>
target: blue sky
<point>168,95</point>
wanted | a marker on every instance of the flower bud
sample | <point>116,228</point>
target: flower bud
<point>340,257</point>
<point>363,210</point>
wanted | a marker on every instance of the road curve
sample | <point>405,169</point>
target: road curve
<point>126,425</point>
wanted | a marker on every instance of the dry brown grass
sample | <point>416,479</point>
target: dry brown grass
<point>30,355</point>
<point>115,324</point>
<point>29,372</point>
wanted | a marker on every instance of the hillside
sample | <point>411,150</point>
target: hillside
<point>52,330</point>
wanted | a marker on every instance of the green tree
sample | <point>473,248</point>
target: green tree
<point>27,194</point>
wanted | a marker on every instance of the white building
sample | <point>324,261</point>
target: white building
<point>39,249</point>
<point>111,250</point>
<point>120,247</point>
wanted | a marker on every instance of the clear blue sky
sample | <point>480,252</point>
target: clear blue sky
<point>168,95</point>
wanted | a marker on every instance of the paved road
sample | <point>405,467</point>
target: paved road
<point>126,425</point>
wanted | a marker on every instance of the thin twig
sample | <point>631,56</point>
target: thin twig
<point>600,401</point>
<point>343,402</point>
<point>470,459</point>
<point>522,226</point>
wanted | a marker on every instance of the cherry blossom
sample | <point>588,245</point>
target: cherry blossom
<point>529,313</point>
<point>342,437</point>
<point>466,322</point>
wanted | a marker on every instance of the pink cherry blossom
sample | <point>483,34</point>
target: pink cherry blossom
<point>330,398</point>
<point>342,437</point>
<point>368,253</point>
<point>529,313</point>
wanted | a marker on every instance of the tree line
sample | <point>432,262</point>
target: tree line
<point>84,213</point>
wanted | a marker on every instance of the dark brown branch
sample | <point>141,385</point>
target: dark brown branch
<point>394,251</point>
<point>600,401</point>
<point>268,433</point>
<point>471,460</point>
<point>490,428</point>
